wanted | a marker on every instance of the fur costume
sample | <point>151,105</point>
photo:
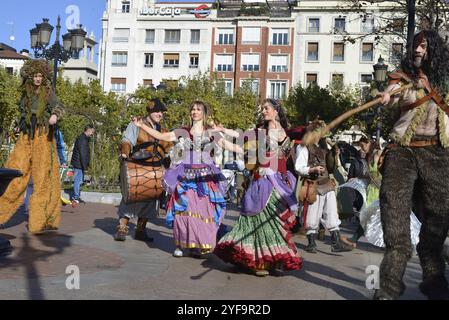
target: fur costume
<point>35,154</point>
<point>415,172</point>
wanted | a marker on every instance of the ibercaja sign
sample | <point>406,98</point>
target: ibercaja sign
<point>200,12</point>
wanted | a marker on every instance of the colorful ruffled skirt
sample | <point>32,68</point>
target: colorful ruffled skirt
<point>262,241</point>
<point>196,206</point>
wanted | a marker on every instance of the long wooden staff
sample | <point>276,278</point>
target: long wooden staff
<point>315,136</point>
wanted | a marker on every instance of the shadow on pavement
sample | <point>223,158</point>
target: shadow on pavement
<point>343,291</point>
<point>28,256</point>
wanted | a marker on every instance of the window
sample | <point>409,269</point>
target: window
<point>149,36</point>
<point>397,25</point>
<point>311,78</point>
<point>312,51</point>
<point>278,63</point>
<point>119,59</point>
<point>279,37</point>
<point>278,89</point>
<point>171,60</point>
<point>194,60</point>
<point>118,85</point>
<point>253,84</point>
<point>149,59</point>
<point>367,52</point>
<point>250,62</point>
<point>172,36</point>
<point>194,36</point>
<point>337,80</point>
<point>368,24</point>
<point>314,25</point>
<point>340,24</point>
<point>225,36</point>
<point>120,35</point>
<point>148,83</point>
<point>9,70</point>
<point>338,52</point>
<point>126,6</point>
<point>396,52</point>
<point>250,35</point>
<point>226,85</point>
<point>224,62</point>
<point>366,78</point>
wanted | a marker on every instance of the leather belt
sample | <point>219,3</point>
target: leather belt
<point>419,143</point>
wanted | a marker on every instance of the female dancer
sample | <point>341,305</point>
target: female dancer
<point>261,238</point>
<point>196,205</point>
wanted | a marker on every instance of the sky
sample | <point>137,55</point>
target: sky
<point>17,17</point>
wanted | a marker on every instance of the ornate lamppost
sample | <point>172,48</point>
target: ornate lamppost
<point>72,44</point>
<point>380,75</point>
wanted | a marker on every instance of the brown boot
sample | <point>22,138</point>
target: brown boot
<point>122,230</point>
<point>140,232</point>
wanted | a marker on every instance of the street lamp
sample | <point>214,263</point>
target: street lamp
<point>72,44</point>
<point>380,75</point>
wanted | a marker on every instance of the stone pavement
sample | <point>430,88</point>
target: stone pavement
<point>137,270</point>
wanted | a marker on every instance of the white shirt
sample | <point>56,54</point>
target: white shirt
<point>302,158</point>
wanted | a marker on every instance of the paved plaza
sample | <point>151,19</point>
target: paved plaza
<point>139,270</point>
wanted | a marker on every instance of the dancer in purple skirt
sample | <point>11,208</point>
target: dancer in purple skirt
<point>196,186</point>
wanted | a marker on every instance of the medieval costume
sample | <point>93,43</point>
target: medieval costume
<point>314,163</point>
<point>196,186</point>
<point>418,156</point>
<point>135,141</point>
<point>261,238</point>
<point>35,153</point>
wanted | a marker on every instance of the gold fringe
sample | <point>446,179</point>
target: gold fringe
<point>193,245</point>
<point>195,215</point>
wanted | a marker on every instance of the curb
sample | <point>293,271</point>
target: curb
<point>97,197</point>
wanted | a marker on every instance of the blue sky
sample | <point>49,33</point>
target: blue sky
<point>17,17</point>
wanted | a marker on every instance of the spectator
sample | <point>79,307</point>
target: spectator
<point>80,161</point>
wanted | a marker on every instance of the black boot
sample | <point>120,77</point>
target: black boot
<point>435,288</point>
<point>312,245</point>
<point>338,245</point>
<point>140,232</point>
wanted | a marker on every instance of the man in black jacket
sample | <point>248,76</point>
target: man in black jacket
<point>80,160</point>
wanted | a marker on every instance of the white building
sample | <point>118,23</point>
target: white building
<point>83,66</point>
<point>146,43</point>
<point>11,60</point>
<point>321,54</point>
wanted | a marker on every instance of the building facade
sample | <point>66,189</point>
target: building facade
<point>268,45</point>
<point>323,56</point>
<point>11,60</point>
<point>83,66</point>
<point>147,43</point>
<point>253,44</point>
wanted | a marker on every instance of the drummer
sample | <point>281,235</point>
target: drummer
<point>132,138</point>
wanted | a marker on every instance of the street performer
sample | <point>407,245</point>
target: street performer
<point>35,153</point>
<point>417,157</point>
<point>314,163</point>
<point>134,142</point>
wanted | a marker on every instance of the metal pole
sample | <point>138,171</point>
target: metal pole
<point>410,25</point>
<point>56,53</point>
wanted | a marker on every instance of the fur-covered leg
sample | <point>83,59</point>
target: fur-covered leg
<point>395,204</point>
<point>44,204</point>
<point>19,159</point>
<point>435,220</point>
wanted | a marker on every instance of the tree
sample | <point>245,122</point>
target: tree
<point>306,104</point>
<point>9,111</point>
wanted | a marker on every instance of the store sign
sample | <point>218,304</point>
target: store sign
<point>200,12</point>
<point>162,11</point>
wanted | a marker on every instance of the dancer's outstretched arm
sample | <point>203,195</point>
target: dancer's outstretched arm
<point>164,136</point>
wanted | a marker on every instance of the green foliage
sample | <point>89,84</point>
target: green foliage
<point>305,104</point>
<point>9,111</point>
